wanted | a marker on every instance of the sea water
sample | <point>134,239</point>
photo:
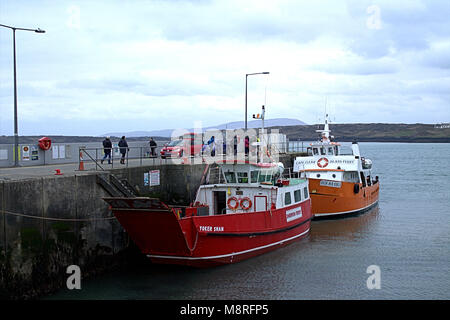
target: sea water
<point>406,239</point>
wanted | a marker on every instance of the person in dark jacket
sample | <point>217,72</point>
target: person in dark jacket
<point>107,146</point>
<point>153,146</point>
<point>123,145</point>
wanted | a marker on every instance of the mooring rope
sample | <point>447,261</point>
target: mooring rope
<point>54,219</point>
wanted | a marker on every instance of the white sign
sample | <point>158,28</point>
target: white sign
<point>55,152</point>
<point>62,151</point>
<point>25,153</point>
<point>329,183</point>
<point>293,214</point>
<point>3,154</point>
<point>154,177</point>
<point>58,151</point>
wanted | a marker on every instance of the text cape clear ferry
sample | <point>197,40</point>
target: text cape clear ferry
<point>243,210</point>
<point>339,184</point>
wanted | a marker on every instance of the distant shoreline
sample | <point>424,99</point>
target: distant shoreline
<point>361,132</point>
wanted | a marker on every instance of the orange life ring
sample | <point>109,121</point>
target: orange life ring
<point>235,206</point>
<point>319,162</point>
<point>248,206</point>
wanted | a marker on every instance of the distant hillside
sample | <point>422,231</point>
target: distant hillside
<point>370,132</point>
<point>230,126</point>
<point>375,132</point>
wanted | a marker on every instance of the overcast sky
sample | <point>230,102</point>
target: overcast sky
<point>108,66</point>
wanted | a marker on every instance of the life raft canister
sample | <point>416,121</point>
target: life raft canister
<point>244,205</point>
<point>233,206</point>
<point>45,143</point>
<point>322,162</point>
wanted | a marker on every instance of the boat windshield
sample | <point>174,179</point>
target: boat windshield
<point>248,174</point>
<point>230,177</point>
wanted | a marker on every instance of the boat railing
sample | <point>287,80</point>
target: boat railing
<point>215,176</point>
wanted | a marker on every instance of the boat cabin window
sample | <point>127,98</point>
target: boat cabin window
<point>330,150</point>
<point>297,195</point>
<point>287,198</point>
<point>265,176</point>
<point>242,177</point>
<point>323,151</point>
<point>253,176</point>
<point>315,151</point>
<point>305,192</point>
<point>231,178</point>
<point>336,150</point>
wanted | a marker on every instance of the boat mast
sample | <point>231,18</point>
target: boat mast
<point>325,133</point>
<point>261,116</point>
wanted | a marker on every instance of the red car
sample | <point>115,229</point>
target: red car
<point>173,149</point>
<point>189,143</point>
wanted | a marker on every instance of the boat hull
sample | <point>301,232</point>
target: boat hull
<point>203,241</point>
<point>333,202</point>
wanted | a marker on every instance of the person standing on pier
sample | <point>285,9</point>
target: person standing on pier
<point>123,145</point>
<point>153,146</point>
<point>107,146</point>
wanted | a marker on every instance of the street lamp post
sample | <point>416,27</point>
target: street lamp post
<point>246,76</point>
<point>16,130</point>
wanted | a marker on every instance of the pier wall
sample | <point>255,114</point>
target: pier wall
<point>52,222</point>
<point>49,223</point>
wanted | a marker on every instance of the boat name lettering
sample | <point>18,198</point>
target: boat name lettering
<point>211,228</point>
<point>328,183</point>
<point>330,161</point>
<point>342,161</point>
<point>293,214</point>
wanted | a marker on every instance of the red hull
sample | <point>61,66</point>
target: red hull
<point>208,240</point>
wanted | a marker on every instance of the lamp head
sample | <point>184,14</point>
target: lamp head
<point>38,30</point>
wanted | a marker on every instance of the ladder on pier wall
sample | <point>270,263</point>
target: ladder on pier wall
<point>116,187</point>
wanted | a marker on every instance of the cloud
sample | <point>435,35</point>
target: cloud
<point>164,63</point>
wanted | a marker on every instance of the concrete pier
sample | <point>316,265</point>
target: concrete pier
<point>49,222</point>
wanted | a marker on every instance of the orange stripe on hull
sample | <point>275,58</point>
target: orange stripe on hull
<point>328,200</point>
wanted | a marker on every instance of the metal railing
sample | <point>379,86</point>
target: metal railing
<point>138,156</point>
<point>97,157</point>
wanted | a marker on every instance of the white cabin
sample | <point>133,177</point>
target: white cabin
<point>264,185</point>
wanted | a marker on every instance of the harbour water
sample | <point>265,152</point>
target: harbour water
<point>407,236</point>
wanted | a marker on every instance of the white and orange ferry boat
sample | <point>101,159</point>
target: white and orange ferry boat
<point>340,183</point>
<point>241,210</point>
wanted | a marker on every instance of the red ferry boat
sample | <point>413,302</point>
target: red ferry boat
<point>241,210</point>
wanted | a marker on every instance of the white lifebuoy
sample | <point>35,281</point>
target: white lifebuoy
<point>322,162</point>
<point>236,203</point>
<point>246,206</point>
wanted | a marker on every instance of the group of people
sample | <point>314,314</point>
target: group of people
<point>123,147</point>
<point>107,148</point>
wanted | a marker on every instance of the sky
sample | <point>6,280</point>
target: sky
<point>108,66</point>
